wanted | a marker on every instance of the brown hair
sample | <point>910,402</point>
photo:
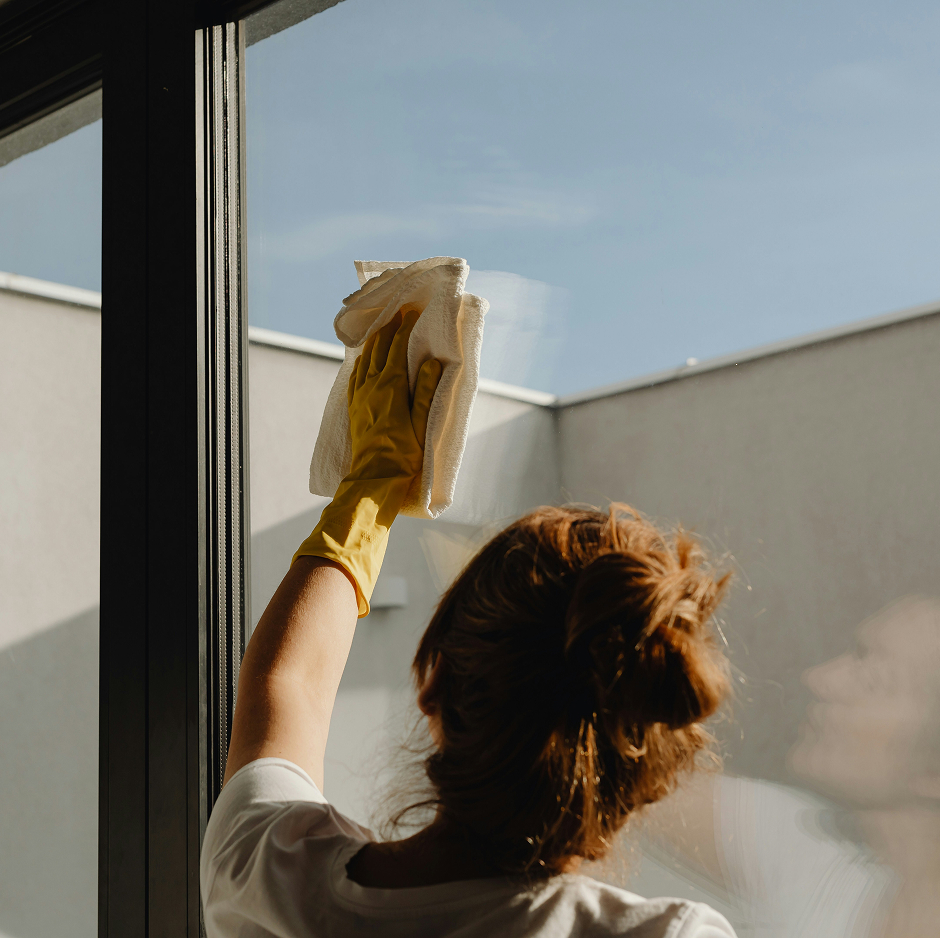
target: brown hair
<point>577,665</point>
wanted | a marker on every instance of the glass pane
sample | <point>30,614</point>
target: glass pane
<point>652,190</point>
<point>49,497</point>
<point>688,182</point>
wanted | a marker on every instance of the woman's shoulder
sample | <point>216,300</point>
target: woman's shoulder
<point>271,841</point>
<point>274,786</point>
<point>598,908</point>
<point>268,806</point>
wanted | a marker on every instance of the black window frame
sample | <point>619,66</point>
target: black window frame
<point>174,453</point>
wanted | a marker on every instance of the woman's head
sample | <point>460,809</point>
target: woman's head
<point>568,670</point>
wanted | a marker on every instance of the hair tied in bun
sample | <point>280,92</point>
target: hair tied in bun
<point>581,668</point>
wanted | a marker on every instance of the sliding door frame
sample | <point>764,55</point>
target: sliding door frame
<point>174,451</point>
<point>175,528</point>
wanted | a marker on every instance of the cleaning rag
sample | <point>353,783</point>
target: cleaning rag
<point>449,329</point>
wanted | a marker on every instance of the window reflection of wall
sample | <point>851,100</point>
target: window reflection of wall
<point>865,862</point>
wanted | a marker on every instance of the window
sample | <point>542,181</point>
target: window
<point>172,467</point>
<point>707,239</point>
<point>664,205</point>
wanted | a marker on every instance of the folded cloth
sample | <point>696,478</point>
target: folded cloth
<point>451,330</point>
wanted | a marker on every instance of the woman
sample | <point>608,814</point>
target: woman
<point>564,677</point>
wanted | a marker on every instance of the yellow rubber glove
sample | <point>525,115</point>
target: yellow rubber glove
<point>388,431</point>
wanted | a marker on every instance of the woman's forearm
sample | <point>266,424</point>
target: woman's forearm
<point>292,668</point>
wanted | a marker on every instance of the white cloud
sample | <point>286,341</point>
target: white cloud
<point>501,205</point>
<point>492,208</point>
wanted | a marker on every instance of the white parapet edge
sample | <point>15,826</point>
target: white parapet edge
<point>297,343</point>
<point>76,296</point>
<point>517,393</point>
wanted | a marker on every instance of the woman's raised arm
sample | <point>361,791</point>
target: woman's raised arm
<point>295,659</point>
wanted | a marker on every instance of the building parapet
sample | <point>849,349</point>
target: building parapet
<point>693,367</point>
<point>76,296</point>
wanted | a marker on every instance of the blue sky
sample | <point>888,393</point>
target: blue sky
<point>50,211</point>
<point>677,179</point>
<point>632,183</point>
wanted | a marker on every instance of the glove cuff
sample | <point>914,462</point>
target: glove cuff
<point>353,531</point>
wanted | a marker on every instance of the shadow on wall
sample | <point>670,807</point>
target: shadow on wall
<point>49,782</point>
<point>386,639</point>
<point>271,553</point>
<point>510,466</point>
<point>508,469</point>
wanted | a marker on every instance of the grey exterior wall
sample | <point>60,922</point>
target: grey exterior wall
<point>816,470</point>
<point>812,472</point>
<point>49,495</point>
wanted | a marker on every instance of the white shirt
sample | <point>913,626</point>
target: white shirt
<point>274,864</point>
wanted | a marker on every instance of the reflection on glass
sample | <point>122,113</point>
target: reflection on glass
<point>634,187</point>
<point>856,854</point>
<point>871,741</point>
<point>49,519</point>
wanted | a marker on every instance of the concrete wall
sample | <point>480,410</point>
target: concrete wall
<point>49,467</point>
<point>49,506</point>
<point>817,471</point>
<point>509,464</point>
<point>813,472</point>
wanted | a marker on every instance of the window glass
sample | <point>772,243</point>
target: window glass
<point>49,515</point>
<point>687,181</point>
<point>643,189</point>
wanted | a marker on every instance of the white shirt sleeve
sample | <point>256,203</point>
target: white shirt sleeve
<point>267,843</point>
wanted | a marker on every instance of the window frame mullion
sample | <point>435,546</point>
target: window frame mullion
<point>175,532</point>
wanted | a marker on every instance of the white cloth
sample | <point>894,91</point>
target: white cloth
<point>274,864</point>
<point>451,330</point>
